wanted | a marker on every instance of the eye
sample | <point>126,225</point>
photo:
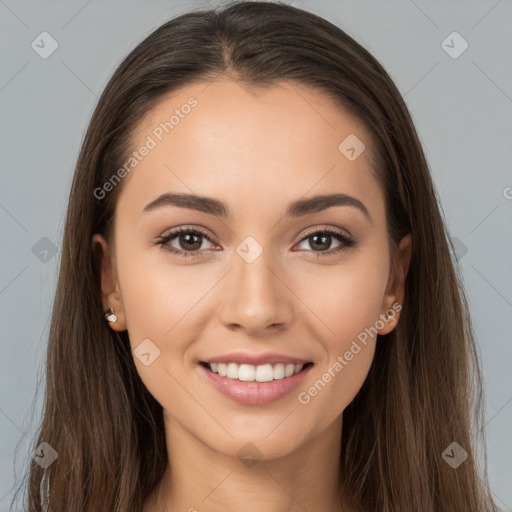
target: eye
<point>189,239</point>
<point>322,238</point>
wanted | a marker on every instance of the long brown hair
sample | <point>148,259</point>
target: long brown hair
<point>424,388</point>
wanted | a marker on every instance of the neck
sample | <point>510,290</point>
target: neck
<point>199,477</point>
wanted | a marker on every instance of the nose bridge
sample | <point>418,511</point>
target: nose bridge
<point>254,297</point>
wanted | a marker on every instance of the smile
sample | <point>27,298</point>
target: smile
<point>251,373</point>
<point>254,385</point>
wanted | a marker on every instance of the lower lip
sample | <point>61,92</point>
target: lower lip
<point>254,393</point>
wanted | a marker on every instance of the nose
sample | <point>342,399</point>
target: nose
<point>255,296</point>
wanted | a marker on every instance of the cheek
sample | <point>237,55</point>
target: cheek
<point>338,383</point>
<point>156,295</point>
<point>159,306</point>
<point>163,304</point>
<point>346,298</point>
<point>349,304</point>
<point>337,380</point>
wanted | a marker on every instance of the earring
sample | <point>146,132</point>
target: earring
<point>110,315</point>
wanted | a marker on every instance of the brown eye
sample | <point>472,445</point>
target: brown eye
<point>189,242</point>
<point>320,241</point>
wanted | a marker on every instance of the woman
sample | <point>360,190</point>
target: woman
<point>257,308</point>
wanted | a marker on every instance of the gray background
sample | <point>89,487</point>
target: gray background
<point>462,108</point>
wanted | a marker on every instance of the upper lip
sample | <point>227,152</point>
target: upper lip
<point>256,359</point>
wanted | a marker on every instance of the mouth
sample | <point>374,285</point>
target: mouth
<point>258,384</point>
<point>256,373</point>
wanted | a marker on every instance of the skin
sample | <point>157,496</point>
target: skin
<point>257,150</point>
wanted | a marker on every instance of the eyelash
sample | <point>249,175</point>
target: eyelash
<point>163,240</point>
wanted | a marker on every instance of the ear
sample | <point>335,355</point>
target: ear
<point>110,294</point>
<point>396,285</point>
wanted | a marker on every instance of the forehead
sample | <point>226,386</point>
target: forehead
<point>251,147</point>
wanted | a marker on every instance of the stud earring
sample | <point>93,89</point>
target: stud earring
<point>110,315</point>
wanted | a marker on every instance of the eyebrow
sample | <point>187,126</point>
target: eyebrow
<point>218,208</point>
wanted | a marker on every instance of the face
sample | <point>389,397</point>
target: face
<point>252,280</point>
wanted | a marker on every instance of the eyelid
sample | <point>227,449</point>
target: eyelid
<point>188,227</point>
<point>324,228</point>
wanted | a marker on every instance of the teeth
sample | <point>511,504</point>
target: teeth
<point>249,372</point>
<point>232,371</point>
<point>246,372</point>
